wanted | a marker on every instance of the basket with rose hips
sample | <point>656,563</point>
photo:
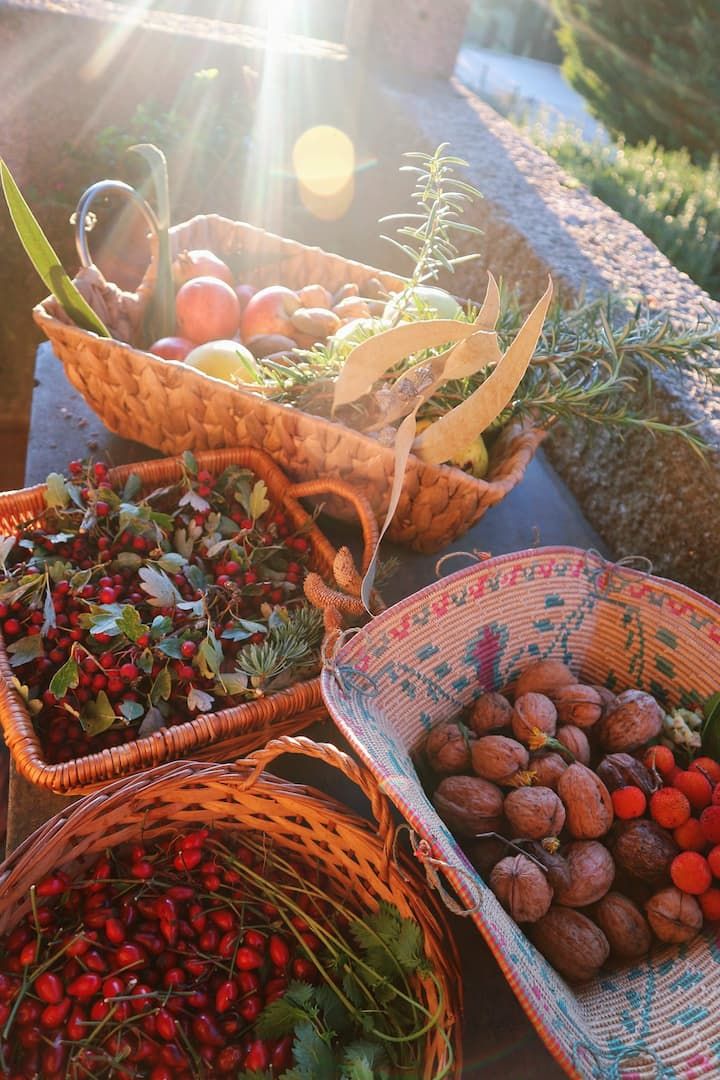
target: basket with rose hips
<point>128,609</point>
<point>595,816</point>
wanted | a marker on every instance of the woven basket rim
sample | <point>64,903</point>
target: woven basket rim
<point>300,698</point>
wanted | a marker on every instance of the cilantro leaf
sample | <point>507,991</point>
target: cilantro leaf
<point>244,628</point>
<point>361,1059</point>
<point>280,1017</point>
<point>25,649</point>
<point>389,941</point>
<point>314,1059</point>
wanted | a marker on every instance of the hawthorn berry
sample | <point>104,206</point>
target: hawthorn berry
<point>690,836</point>
<point>691,873</point>
<point>708,767</point>
<point>669,807</point>
<point>661,759</point>
<point>629,802</point>
<point>695,786</point>
<point>710,823</point>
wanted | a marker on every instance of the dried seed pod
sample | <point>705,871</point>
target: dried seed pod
<point>591,873</point>
<point>522,888</point>
<point>643,849</point>
<point>548,768</point>
<point>587,802</point>
<point>315,322</point>
<point>497,758</point>
<point>533,712</point>
<point>571,942</point>
<point>352,307</point>
<point>489,712</point>
<point>349,289</point>
<point>624,925</point>
<point>620,770</point>
<point>534,812</point>
<point>635,720</point>
<point>469,805</point>
<point>556,866</point>
<point>575,739</point>
<point>544,677</point>
<point>674,916</point>
<point>315,296</point>
<point>579,705</point>
<point>447,749</point>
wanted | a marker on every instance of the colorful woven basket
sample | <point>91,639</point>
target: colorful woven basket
<point>300,822</point>
<point>169,406</point>
<point>426,658</point>
<point>221,735</point>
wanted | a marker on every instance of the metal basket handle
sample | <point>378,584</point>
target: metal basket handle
<point>88,197</point>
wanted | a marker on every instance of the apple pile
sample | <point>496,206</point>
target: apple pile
<point>224,328</point>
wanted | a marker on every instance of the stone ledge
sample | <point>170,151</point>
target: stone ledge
<point>650,497</point>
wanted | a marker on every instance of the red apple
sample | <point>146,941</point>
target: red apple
<point>172,348</point>
<point>269,311</point>
<point>207,309</point>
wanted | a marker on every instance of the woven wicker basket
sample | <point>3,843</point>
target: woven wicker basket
<point>166,405</point>
<point>300,822</point>
<point>424,659</point>
<point>222,735</point>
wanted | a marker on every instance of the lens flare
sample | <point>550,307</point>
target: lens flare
<point>323,160</point>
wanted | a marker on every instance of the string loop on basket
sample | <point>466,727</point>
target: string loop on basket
<point>640,563</point>
<point>475,555</point>
<point>345,676</point>
<point>423,852</point>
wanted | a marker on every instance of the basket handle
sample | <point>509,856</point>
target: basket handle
<point>363,509</point>
<point>331,755</point>
<point>88,198</point>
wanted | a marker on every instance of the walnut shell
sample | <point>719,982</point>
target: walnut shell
<point>578,705</point>
<point>534,812</point>
<point>522,888</point>
<point>624,925</point>
<point>544,677</point>
<point>606,696</point>
<point>674,916</point>
<point>447,749</point>
<point>531,712</point>
<point>498,758</point>
<point>571,942</point>
<point>591,873</point>
<point>575,739</point>
<point>469,805</point>
<point>556,866</point>
<point>620,770</point>
<point>548,769</point>
<point>587,802</point>
<point>489,712</point>
<point>635,720</point>
<point>643,848</point>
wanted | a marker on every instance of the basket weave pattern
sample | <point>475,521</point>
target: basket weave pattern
<point>301,823</point>
<point>220,735</point>
<point>425,659</point>
<point>168,406</point>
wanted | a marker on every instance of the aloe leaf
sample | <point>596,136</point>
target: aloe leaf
<point>160,314</point>
<point>44,259</point>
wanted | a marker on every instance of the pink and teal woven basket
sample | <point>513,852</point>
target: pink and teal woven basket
<point>426,658</point>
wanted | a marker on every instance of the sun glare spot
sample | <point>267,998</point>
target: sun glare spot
<point>323,160</point>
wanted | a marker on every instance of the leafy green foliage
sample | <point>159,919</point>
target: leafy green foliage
<point>711,726</point>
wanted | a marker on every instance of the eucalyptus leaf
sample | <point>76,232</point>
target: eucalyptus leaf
<point>44,259</point>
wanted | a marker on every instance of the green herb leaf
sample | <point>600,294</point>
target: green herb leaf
<point>7,543</point>
<point>45,260</point>
<point>133,487</point>
<point>161,625</point>
<point>56,493</point>
<point>258,503</point>
<point>171,646</point>
<point>131,710</point>
<point>232,682</point>
<point>190,462</point>
<point>313,1057</point>
<point>65,678</point>
<point>80,578</point>
<point>145,661</point>
<point>25,649</point>
<point>198,699</point>
<point>280,1017</point>
<point>103,619</point>
<point>711,726</point>
<point>195,576</point>
<point>244,628</point>
<point>97,715</point>
<point>361,1060</point>
<point>210,656</point>
<point>158,587</point>
<point>191,498</point>
<point>162,687</point>
<point>171,561</point>
<point>49,617</point>
<point>152,722</point>
<point>130,624</point>
<point>127,560</point>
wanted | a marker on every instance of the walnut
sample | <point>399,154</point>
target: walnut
<point>498,758</point>
<point>531,712</point>
<point>571,942</point>
<point>534,812</point>
<point>575,739</point>
<point>591,873</point>
<point>643,849</point>
<point>587,802</point>
<point>447,749</point>
<point>556,866</point>
<point>635,720</point>
<point>548,769</point>
<point>623,924</point>
<point>620,770</point>
<point>674,916</point>
<point>469,805</point>
<point>522,888</point>
<point>488,712</point>
<point>543,677</point>
<point>579,705</point>
<point>607,697</point>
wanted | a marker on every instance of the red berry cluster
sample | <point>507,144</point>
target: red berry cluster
<point>128,610</point>
<point>157,964</point>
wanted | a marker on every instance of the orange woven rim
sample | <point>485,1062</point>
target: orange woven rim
<point>222,734</point>
<point>300,821</point>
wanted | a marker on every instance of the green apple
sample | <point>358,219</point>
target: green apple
<point>227,360</point>
<point>423,301</point>
<point>473,459</point>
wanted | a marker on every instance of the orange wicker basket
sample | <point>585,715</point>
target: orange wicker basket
<point>354,855</point>
<point>220,735</point>
<point>166,405</point>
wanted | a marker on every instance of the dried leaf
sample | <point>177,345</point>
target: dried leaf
<point>452,433</point>
<point>25,649</point>
<point>198,699</point>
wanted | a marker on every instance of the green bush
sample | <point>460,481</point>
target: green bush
<point>675,202</point>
